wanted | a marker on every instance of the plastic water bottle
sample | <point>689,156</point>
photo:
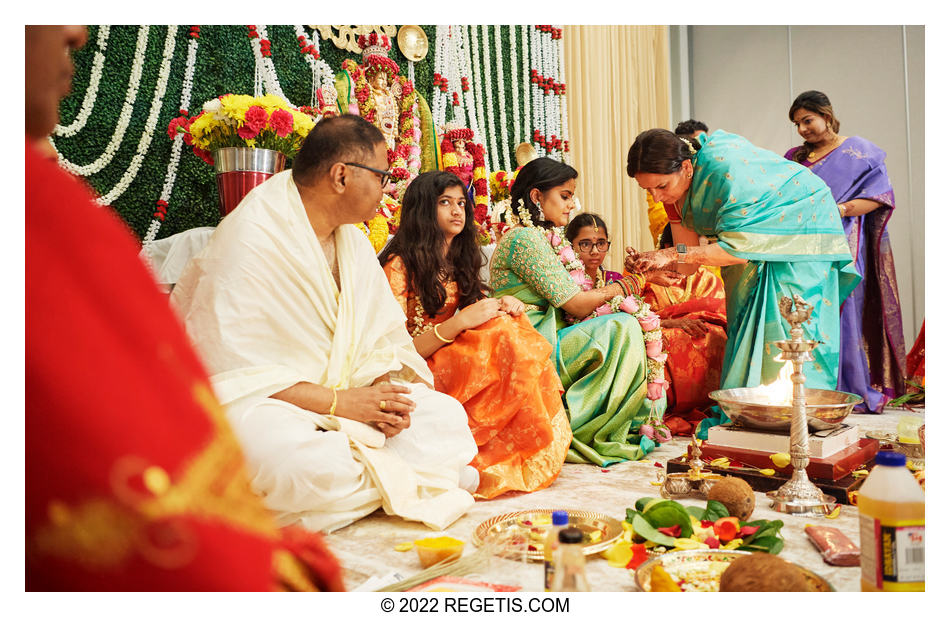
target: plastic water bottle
<point>570,562</point>
<point>558,522</point>
<point>891,510</point>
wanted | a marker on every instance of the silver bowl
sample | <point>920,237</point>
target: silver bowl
<point>701,569</point>
<point>825,409</point>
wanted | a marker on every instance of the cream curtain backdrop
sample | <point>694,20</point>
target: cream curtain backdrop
<point>618,84</point>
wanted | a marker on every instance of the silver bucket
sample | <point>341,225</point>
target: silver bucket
<point>248,159</point>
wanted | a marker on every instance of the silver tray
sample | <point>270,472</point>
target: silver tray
<point>704,567</point>
<point>506,529</point>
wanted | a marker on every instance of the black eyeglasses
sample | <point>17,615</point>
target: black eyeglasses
<point>383,175</point>
<point>585,246</point>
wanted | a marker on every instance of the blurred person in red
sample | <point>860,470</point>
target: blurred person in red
<point>134,480</point>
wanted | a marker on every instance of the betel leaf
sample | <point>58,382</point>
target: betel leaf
<point>669,513</point>
<point>766,538</point>
<point>630,514</point>
<point>696,511</point>
<point>714,511</point>
<point>646,531</point>
<point>769,544</point>
<point>642,502</point>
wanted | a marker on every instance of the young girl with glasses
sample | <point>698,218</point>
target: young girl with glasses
<point>587,233</point>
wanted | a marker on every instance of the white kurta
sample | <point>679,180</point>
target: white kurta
<point>262,307</point>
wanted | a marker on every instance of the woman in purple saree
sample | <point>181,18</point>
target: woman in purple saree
<point>873,361</point>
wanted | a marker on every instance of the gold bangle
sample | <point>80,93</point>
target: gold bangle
<point>435,330</point>
<point>333,405</point>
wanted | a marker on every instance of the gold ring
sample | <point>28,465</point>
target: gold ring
<point>382,405</point>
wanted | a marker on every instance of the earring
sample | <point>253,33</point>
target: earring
<point>540,211</point>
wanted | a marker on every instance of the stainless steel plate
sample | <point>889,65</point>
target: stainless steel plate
<point>522,533</point>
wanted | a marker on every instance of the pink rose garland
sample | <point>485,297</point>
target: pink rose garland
<point>649,321</point>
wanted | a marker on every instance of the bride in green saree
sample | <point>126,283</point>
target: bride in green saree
<point>601,361</point>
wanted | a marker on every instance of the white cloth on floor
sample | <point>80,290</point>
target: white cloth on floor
<point>262,307</point>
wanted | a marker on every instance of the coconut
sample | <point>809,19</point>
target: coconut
<point>736,495</point>
<point>763,572</point>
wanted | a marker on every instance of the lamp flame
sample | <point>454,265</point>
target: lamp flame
<point>778,392</point>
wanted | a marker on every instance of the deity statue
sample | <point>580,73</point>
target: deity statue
<point>375,90</point>
<point>466,159</point>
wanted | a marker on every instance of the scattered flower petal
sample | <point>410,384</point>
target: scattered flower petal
<point>781,459</point>
<point>767,472</point>
<point>834,513</point>
<point>403,546</point>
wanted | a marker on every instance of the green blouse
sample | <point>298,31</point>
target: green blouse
<point>524,265</point>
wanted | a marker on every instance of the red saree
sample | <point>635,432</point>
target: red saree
<point>134,481</point>
<point>694,365</point>
<point>502,374</point>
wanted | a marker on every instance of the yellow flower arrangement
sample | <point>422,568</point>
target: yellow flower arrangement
<point>244,121</point>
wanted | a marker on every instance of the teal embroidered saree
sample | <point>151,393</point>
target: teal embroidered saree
<point>783,219</point>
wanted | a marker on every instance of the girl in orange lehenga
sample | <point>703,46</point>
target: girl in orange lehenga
<point>482,351</point>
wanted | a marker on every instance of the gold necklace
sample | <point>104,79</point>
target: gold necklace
<point>814,154</point>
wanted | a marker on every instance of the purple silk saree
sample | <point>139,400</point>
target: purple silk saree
<point>873,361</point>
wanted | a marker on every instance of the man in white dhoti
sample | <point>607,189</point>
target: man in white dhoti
<point>309,350</point>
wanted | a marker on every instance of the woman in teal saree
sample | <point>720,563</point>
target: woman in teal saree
<point>777,233</point>
<point>601,361</point>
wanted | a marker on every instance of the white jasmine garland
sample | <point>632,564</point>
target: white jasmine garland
<point>172,172</point>
<point>453,76</point>
<point>465,68</point>
<point>495,162</point>
<point>477,85</point>
<point>537,105</point>
<point>439,67</point>
<point>125,115</point>
<point>505,160</point>
<point>322,73</point>
<point>553,97</point>
<point>145,141</point>
<point>89,99</point>
<point>526,82</point>
<point>515,80</point>
<point>564,132</point>
<point>268,72</point>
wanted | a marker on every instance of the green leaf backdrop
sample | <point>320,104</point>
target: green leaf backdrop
<point>224,64</point>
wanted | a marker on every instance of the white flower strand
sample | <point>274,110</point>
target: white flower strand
<point>551,112</point>
<point>135,78</point>
<point>441,60</point>
<point>516,82</point>
<point>537,104</point>
<point>526,83</point>
<point>495,162</point>
<point>269,73</point>
<point>145,141</point>
<point>171,175</point>
<point>568,158</point>
<point>443,40</point>
<point>453,76</point>
<point>89,99</point>
<point>471,46</point>
<point>319,67</point>
<point>505,160</point>
<point>465,68</point>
